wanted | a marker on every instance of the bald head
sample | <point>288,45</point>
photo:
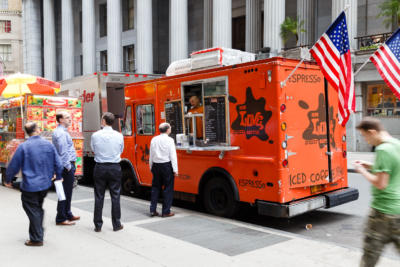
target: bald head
<point>164,127</point>
<point>194,101</point>
<point>31,128</point>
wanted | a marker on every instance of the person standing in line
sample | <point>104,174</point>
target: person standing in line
<point>65,148</point>
<point>39,161</point>
<point>107,145</point>
<point>383,224</point>
<point>164,166</point>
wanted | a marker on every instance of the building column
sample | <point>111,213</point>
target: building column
<point>222,23</point>
<point>67,37</point>
<point>306,13</point>
<point>49,40</point>
<point>274,15</point>
<point>253,25</point>
<point>144,36</point>
<point>178,30</point>
<point>88,36</point>
<point>207,23</point>
<point>114,36</point>
<point>32,37</point>
<point>351,18</point>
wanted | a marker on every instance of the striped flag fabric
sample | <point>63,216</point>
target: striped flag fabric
<point>387,60</point>
<point>332,53</point>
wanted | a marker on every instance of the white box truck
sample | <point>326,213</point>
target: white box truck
<point>100,92</point>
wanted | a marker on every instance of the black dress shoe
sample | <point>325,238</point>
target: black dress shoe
<point>152,214</point>
<point>119,228</point>
<point>30,243</point>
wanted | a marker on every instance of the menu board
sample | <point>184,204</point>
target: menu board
<point>173,115</point>
<point>215,119</point>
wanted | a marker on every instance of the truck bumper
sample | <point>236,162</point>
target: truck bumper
<point>289,210</point>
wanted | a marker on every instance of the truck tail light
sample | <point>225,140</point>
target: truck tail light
<point>285,163</point>
<point>284,145</point>
<point>283,108</point>
<point>283,126</point>
<point>344,153</point>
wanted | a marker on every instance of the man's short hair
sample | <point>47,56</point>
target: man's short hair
<point>164,127</point>
<point>109,118</point>
<point>369,123</point>
<point>30,128</point>
<point>60,115</point>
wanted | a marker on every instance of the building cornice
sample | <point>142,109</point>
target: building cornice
<point>10,12</point>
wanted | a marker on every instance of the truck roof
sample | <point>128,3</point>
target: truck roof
<point>280,59</point>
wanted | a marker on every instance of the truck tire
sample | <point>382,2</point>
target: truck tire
<point>218,198</point>
<point>129,184</point>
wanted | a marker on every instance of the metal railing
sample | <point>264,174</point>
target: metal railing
<point>369,42</point>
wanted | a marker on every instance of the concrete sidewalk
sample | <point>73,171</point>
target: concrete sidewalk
<point>188,239</point>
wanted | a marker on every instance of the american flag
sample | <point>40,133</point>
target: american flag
<point>332,53</point>
<point>387,61</point>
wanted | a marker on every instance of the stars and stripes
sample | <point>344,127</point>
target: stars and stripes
<point>332,53</point>
<point>387,60</point>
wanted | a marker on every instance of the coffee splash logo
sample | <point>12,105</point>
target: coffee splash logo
<point>251,117</point>
<point>316,132</point>
<point>145,154</point>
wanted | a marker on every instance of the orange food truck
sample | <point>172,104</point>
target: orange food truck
<point>42,110</point>
<point>278,148</point>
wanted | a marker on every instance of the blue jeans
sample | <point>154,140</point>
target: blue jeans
<point>163,175</point>
<point>64,207</point>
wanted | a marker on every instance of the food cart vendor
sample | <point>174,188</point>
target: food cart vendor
<point>196,108</point>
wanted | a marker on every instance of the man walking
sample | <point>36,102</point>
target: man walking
<point>38,160</point>
<point>163,165</point>
<point>107,145</point>
<point>383,224</point>
<point>65,148</point>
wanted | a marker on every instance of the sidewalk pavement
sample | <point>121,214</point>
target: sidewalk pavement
<point>187,239</point>
<point>353,156</point>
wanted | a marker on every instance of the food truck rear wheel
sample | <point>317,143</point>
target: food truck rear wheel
<point>218,198</point>
<point>129,185</point>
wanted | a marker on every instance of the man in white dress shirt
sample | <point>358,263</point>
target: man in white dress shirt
<point>164,166</point>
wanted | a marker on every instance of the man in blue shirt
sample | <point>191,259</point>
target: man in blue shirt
<point>38,160</point>
<point>65,148</point>
<point>107,145</point>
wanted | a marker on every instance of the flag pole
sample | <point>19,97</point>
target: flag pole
<point>362,66</point>
<point>290,75</point>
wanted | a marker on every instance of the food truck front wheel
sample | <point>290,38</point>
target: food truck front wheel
<point>218,197</point>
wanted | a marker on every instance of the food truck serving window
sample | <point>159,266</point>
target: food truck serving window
<point>145,119</point>
<point>205,110</point>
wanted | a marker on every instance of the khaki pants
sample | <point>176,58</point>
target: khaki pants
<point>381,229</point>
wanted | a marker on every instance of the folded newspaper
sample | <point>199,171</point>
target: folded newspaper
<point>60,190</point>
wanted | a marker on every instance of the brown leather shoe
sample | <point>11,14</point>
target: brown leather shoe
<point>119,228</point>
<point>75,218</point>
<point>168,215</point>
<point>30,243</point>
<point>97,230</point>
<point>65,223</point>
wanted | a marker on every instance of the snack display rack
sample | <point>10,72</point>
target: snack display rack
<point>42,110</point>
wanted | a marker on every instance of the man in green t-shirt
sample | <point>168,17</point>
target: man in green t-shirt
<point>383,224</point>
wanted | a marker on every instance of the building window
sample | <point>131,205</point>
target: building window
<point>103,60</point>
<point>5,26</point>
<point>80,27</point>
<point>103,20</point>
<point>127,15</point>
<point>129,58</point>
<point>4,4</point>
<point>5,52</point>
<point>381,101</point>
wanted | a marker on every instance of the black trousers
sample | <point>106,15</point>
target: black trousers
<point>64,207</point>
<point>163,175</point>
<point>107,175</point>
<point>32,202</point>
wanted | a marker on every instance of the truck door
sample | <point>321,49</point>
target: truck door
<point>129,135</point>
<point>145,130</point>
<point>309,117</point>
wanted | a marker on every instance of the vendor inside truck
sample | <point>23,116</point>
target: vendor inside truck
<point>196,108</point>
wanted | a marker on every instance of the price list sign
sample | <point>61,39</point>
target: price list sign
<point>215,119</point>
<point>173,115</point>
